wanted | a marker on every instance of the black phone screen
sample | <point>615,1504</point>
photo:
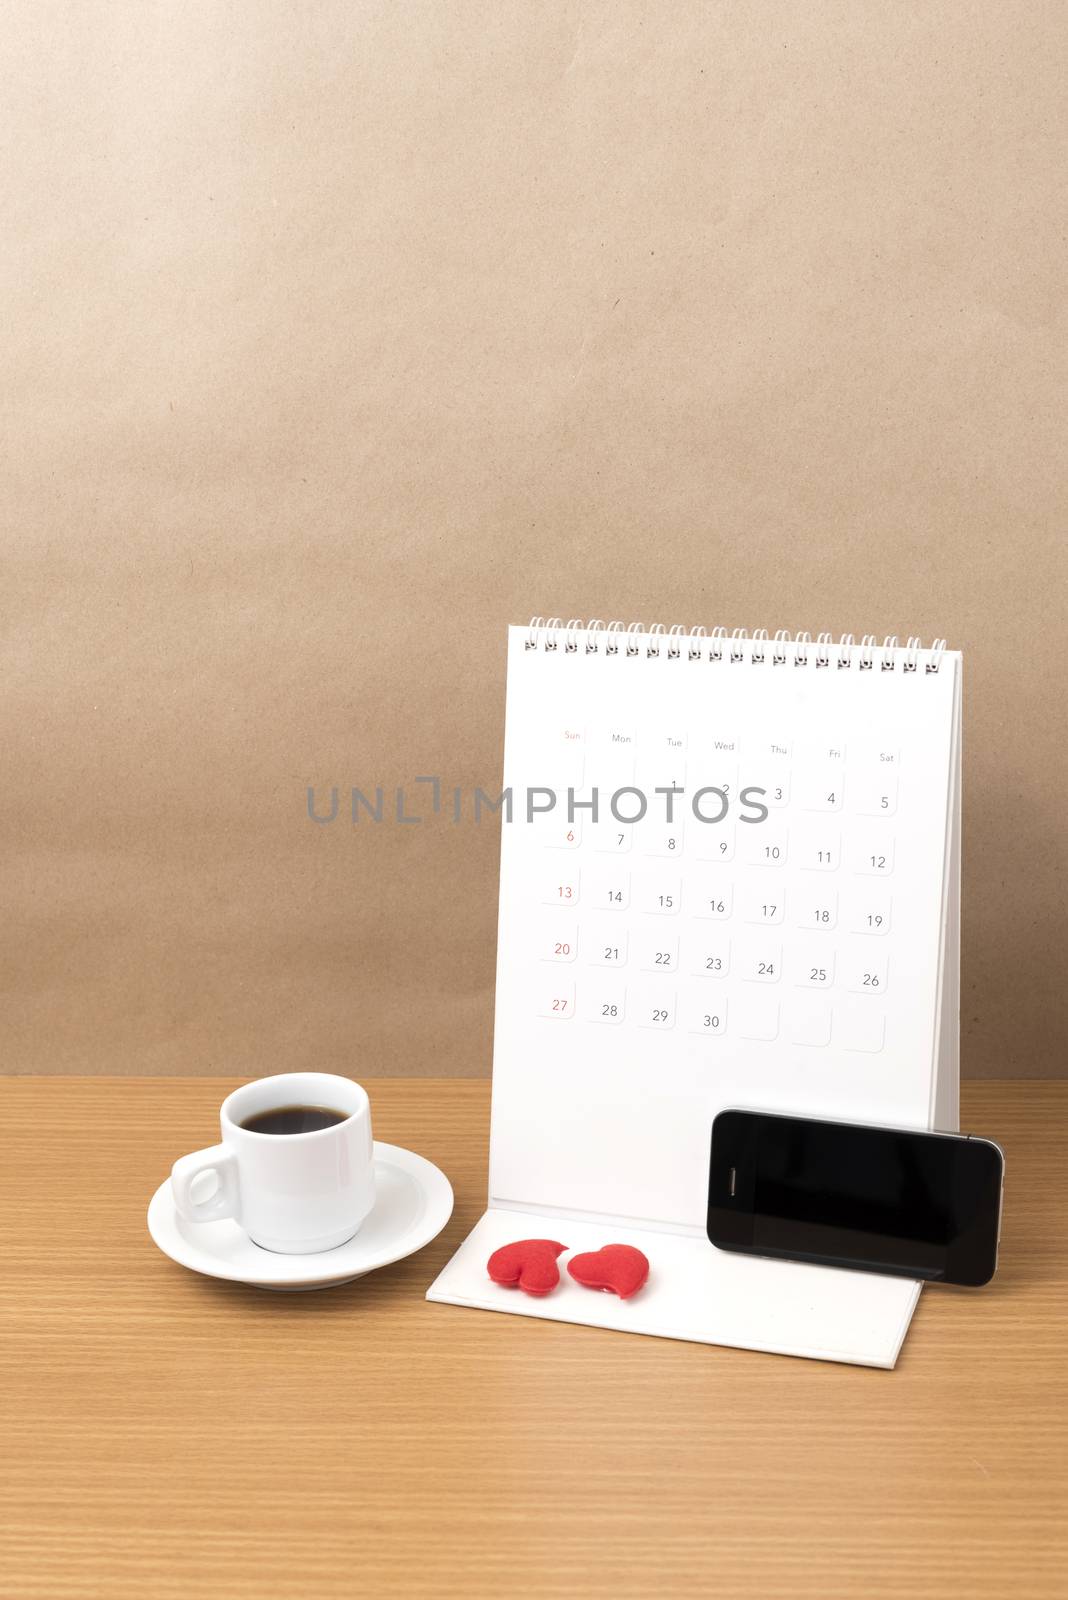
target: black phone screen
<point>891,1200</point>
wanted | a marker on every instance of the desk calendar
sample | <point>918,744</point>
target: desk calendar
<point>729,877</point>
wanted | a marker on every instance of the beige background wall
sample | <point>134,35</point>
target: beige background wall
<point>339,335</point>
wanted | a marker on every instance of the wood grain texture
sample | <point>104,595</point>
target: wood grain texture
<point>170,1436</point>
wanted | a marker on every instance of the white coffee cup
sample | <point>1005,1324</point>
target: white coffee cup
<point>293,1193</point>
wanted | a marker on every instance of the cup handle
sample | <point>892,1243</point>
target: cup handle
<point>221,1160</point>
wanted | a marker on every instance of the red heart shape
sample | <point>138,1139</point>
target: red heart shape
<point>617,1268</point>
<point>529,1264</point>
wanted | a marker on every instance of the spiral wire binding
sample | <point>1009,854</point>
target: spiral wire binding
<point>633,639</point>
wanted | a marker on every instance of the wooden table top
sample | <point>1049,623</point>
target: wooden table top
<point>170,1435</point>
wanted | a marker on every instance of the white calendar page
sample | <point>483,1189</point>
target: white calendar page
<point>794,952</point>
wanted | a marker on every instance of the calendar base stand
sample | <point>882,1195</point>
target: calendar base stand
<point>694,1292</point>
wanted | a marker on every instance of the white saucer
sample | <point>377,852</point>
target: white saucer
<point>413,1202</point>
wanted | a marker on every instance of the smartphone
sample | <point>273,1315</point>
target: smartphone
<point>890,1200</point>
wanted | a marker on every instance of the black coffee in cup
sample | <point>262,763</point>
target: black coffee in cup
<point>294,1119</point>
